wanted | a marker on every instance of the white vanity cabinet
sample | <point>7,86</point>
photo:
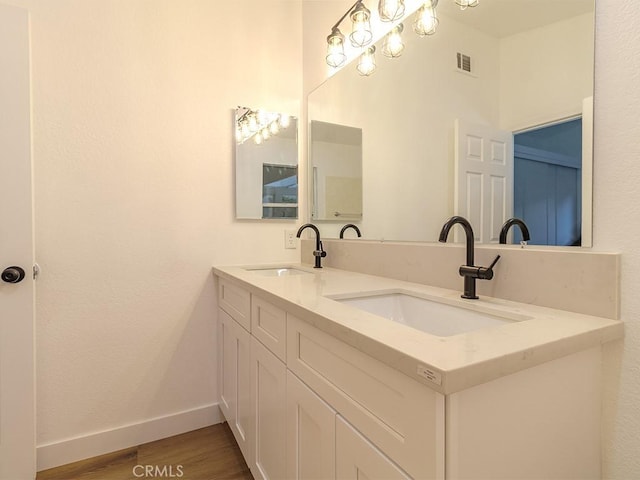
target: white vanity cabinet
<point>311,433</point>
<point>304,404</point>
<point>234,346</point>
<point>268,395</point>
<point>357,457</point>
<point>252,378</point>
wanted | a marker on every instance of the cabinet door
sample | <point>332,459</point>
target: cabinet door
<point>268,387</point>
<point>357,458</point>
<point>234,344</point>
<point>310,433</point>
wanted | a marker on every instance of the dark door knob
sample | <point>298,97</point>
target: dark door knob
<point>13,275</point>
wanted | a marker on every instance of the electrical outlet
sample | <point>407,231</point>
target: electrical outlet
<point>290,240</point>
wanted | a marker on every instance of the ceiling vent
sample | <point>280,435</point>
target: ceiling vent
<point>464,62</point>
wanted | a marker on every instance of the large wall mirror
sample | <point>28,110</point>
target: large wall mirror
<point>266,164</point>
<point>510,81</point>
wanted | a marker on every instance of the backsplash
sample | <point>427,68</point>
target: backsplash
<point>579,281</point>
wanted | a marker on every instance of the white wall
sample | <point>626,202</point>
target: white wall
<point>546,73</point>
<point>617,219</point>
<point>133,141</point>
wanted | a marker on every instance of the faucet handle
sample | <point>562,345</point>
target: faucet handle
<point>320,253</point>
<point>481,273</point>
<point>495,260</point>
<point>486,273</point>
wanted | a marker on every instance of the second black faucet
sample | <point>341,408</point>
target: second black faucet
<point>318,253</point>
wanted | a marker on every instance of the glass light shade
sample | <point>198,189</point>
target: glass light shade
<point>257,138</point>
<point>245,130</point>
<point>367,63</point>
<point>464,4</point>
<point>284,120</point>
<point>335,49</point>
<point>361,35</point>
<point>263,117</point>
<point>393,46</point>
<point>274,128</point>
<point>253,122</point>
<point>426,21</point>
<point>390,10</point>
<point>266,134</point>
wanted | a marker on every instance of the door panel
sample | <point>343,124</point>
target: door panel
<point>17,391</point>
<point>268,384</point>
<point>311,444</point>
<point>483,179</point>
<point>358,459</point>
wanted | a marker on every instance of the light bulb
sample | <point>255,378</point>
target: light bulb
<point>274,128</point>
<point>258,138</point>
<point>361,33</point>
<point>253,122</point>
<point>390,10</point>
<point>426,21</point>
<point>367,63</point>
<point>393,45</point>
<point>284,120</point>
<point>244,129</point>
<point>266,134</point>
<point>335,48</point>
<point>263,117</point>
<point>464,4</point>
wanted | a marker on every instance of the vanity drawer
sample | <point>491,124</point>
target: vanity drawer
<point>402,417</point>
<point>235,301</point>
<point>269,325</point>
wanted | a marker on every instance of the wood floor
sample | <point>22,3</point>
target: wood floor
<point>207,454</point>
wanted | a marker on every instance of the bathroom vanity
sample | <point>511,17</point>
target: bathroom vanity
<point>327,373</point>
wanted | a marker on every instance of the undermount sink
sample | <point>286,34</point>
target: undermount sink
<point>278,271</point>
<point>429,315</point>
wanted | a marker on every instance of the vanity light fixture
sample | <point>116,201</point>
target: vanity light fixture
<point>393,46</point>
<point>426,21</point>
<point>464,4</point>
<point>259,125</point>
<point>360,36</point>
<point>390,10</point>
<point>425,24</point>
<point>367,63</point>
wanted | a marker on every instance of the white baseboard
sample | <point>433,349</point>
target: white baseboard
<point>71,450</point>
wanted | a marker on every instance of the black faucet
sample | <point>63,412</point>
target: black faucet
<point>508,224</point>
<point>470,272</point>
<point>350,225</point>
<point>318,252</point>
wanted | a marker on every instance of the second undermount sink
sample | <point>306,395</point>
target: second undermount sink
<point>429,315</point>
<point>278,271</point>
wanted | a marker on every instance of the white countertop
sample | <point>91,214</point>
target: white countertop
<point>452,363</point>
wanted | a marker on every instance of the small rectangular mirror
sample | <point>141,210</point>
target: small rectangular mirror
<point>336,171</point>
<point>266,164</point>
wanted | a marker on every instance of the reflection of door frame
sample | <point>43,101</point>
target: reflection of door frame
<point>587,165</point>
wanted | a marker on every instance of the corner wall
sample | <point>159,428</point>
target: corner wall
<point>132,108</point>
<point>616,219</point>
